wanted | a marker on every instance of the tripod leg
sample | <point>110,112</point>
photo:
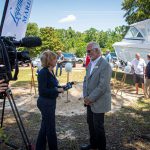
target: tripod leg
<point>32,79</point>
<point>2,118</point>
<point>21,123</point>
<point>17,120</point>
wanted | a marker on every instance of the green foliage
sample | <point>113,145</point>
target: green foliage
<point>136,10</point>
<point>50,39</point>
<point>91,35</point>
<point>32,30</point>
<point>3,136</point>
<point>80,49</point>
<point>71,41</point>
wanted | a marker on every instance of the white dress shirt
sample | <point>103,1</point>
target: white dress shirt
<point>93,64</point>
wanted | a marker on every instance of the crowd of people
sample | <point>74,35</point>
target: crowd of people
<point>96,94</point>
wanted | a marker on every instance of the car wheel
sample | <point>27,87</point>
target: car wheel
<point>74,64</point>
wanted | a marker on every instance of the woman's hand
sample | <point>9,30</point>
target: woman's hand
<point>60,90</point>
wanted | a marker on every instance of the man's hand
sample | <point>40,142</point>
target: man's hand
<point>87,101</point>
<point>3,86</point>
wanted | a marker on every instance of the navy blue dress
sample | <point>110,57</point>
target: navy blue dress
<point>47,85</point>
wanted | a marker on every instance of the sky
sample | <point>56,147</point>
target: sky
<point>78,14</point>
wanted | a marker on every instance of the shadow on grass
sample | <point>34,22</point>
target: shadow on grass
<point>123,128</point>
<point>22,83</point>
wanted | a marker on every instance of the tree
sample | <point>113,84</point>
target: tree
<point>91,35</point>
<point>80,45</point>
<point>50,39</point>
<point>67,37</point>
<point>33,30</point>
<point>136,10</point>
<point>71,41</point>
<point>102,39</point>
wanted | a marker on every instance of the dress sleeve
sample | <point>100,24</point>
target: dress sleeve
<point>42,83</point>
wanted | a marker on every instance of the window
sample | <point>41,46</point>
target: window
<point>133,33</point>
<point>68,55</point>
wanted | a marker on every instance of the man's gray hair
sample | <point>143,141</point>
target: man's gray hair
<point>95,46</point>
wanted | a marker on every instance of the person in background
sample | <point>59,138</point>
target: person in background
<point>60,59</point>
<point>147,78</point>
<point>87,61</point>
<point>108,56</point>
<point>138,65</point>
<point>48,92</point>
<point>3,86</point>
<point>97,96</point>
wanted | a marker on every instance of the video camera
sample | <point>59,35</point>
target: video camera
<point>9,56</point>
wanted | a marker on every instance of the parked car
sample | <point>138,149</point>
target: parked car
<point>79,60</point>
<point>113,56</point>
<point>69,57</point>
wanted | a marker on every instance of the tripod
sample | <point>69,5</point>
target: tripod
<point>12,103</point>
<point>32,79</point>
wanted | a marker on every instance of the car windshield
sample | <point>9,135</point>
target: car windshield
<point>113,54</point>
<point>68,55</point>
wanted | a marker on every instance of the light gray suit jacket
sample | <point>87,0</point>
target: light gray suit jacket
<point>96,86</point>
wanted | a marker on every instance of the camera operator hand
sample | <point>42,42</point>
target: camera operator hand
<point>60,90</point>
<point>3,86</point>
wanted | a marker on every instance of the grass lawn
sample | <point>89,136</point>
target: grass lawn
<point>25,74</point>
<point>126,129</point>
<point>129,128</point>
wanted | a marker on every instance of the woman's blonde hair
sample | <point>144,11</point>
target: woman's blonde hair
<point>46,57</point>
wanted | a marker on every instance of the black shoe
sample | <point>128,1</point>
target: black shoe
<point>86,147</point>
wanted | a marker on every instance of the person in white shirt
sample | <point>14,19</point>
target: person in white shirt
<point>138,65</point>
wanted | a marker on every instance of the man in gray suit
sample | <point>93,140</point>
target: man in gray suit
<point>97,96</point>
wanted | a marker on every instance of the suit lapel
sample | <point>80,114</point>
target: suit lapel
<point>88,70</point>
<point>96,66</point>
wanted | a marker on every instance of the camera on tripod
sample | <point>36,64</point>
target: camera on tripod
<point>9,56</point>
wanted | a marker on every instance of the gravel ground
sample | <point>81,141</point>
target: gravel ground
<point>124,125</point>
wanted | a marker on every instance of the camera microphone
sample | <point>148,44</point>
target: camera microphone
<point>28,42</point>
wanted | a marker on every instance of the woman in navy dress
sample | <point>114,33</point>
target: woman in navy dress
<point>48,92</point>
